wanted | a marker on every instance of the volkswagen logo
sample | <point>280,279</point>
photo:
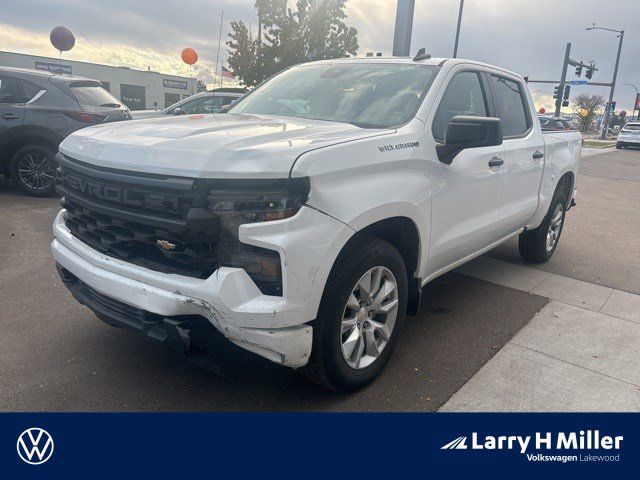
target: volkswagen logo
<point>35,446</point>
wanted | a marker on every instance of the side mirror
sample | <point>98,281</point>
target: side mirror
<point>178,111</point>
<point>469,132</point>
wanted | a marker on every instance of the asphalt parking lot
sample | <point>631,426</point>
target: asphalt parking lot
<point>55,355</point>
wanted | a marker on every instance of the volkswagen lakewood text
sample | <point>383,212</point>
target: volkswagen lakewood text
<point>303,223</point>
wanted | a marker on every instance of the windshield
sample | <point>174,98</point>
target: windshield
<point>631,126</point>
<point>369,95</point>
<point>93,95</point>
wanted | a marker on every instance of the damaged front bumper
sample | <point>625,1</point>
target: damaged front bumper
<point>159,304</point>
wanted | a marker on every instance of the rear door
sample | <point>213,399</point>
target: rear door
<point>11,105</point>
<point>523,155</point>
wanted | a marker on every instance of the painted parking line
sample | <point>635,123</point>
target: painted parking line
<point>579,353</point>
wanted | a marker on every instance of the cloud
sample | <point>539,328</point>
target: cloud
<point>522,35</point>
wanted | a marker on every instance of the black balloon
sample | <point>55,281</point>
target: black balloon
<point>62,38</point>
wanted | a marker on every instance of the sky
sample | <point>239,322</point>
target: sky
<point>526,36</point>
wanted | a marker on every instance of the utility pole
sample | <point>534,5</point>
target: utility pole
<point>607,110</point>
<point>563,79</point>
<point>455,46</point>
<point>404,27</point>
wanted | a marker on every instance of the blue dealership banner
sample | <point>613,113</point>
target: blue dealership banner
<point>298,445</point>
<point>168,83</point>
<point>54,67</point>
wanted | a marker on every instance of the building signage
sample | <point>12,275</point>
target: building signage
<point>54,67</point>
<point>174,84</point>
<point>578,82</point>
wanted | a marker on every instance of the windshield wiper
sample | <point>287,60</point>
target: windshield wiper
<point>115,105</point>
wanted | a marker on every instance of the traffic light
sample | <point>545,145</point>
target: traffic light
<point>565,95</point>
<point>578,70</point>
<point>589,73</point>
<point>556,92</point>
<point>613,106</point>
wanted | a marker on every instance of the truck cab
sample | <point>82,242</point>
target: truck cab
<point>304,223</point>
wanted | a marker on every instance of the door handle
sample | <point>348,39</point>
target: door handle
<point>10,116</point>
<point>538,155</point>
<point>496,162</point>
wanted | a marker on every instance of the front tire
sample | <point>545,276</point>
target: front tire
<point>360,317</point>
<point>33,169</point>
<point>537,246</point>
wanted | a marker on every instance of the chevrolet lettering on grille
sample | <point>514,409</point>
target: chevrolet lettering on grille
<point>123,196</point>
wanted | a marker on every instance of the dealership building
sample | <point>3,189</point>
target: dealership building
<point>137,89</point>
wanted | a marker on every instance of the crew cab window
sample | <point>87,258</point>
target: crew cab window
<point>463,96</point>
<point>511,106</point>
<point>9,91</point>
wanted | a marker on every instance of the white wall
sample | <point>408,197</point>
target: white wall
<point>153,82</point>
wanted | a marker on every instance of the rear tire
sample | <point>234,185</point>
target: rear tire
<point>537,246</point>
<point>33,169</point>
<point>344,357</point>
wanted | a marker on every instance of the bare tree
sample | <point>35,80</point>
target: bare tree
<point>590,102</point>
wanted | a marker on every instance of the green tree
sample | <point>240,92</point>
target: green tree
<point>201,86</point>
<point>590,102</point>
<point>317,30</point>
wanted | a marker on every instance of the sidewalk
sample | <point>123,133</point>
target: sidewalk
<point>581,352</point>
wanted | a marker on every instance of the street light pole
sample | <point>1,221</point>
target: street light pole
<point>455,46</point>
<point>635,100</point>
<point>607,111</point>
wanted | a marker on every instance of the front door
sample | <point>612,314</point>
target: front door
<point>465,194</point>
<point>11,105</point>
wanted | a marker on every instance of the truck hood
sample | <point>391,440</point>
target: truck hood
<point>208,146</point>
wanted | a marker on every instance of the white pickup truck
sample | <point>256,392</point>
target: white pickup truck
<point>303,224</point>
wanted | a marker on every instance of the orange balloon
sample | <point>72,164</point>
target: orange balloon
<point>189,56</point>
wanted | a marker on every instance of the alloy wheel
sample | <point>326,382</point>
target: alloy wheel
<point>555,226</point>
<point>369,317</point>
<point>36,171</point>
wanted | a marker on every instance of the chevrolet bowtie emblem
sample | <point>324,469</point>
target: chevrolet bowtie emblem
<point>165,245</point>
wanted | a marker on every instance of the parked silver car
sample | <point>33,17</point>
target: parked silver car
<point>210,101</point>
<point>629,136</point>
<point>38,109</point>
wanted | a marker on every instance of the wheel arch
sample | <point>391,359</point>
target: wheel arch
<point>404,234</point>
<point>566,184</point>
<point>23,136</point>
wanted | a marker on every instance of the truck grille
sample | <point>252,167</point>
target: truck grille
<point>142,221</point>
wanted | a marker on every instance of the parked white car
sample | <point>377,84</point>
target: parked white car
<point>629,136</point>
<point>210,101</point>
<point>303,224</point>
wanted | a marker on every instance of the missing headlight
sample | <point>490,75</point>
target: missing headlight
<point>251,201</point>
